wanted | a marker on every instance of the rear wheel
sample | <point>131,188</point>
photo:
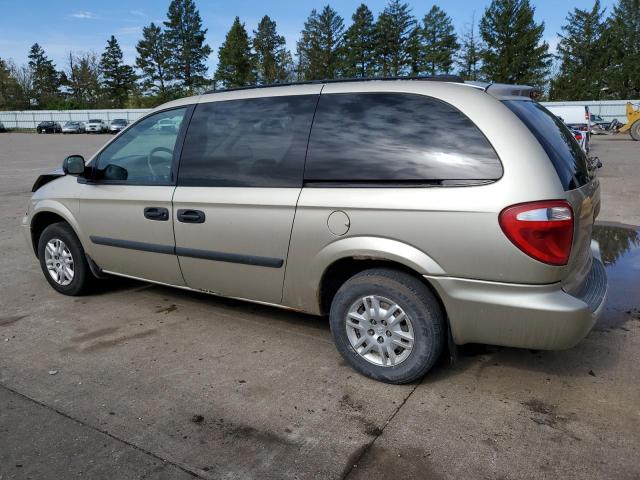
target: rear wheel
<point>635,131</point>
<point>63,261</point>
<point>387,325</point>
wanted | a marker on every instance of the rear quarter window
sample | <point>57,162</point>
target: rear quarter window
<point>396,138</point>
<point>566,155</point>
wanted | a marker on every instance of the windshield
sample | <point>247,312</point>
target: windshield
<point>558,142</point>
<point>95,120</point>
<point>119,121</point>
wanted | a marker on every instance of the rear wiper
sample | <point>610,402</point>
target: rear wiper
<point>593,163</point>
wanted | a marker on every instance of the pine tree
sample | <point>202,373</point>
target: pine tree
<point>185,40</point>
<point>153,61</point>
<point>439,42</point>
<point>235,61</point>
<point>582,56</point>
<point>46,80</point>
<point>468,58</point>
<point>514,51</point>
<point>320,45</point>
<point>359,45</point>
<point>118,79</point>
<point>273,61</point>
<point>622,74</point>
<point>395,39</point>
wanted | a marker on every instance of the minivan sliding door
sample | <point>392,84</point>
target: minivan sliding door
<point>240,177</point>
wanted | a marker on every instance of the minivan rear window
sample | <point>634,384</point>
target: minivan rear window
<point>395,138</point>
<point>566,155</point>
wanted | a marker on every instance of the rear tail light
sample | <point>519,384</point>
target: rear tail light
<point>578,136</point>
<point>542,230</point>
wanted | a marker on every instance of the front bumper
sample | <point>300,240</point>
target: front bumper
<point>542,317</point>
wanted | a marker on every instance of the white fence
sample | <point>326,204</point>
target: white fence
<point>608,110</point>
<point>31,118</point>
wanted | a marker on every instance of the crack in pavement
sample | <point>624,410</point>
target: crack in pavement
<point>104,432</point>
<point>363,451</point>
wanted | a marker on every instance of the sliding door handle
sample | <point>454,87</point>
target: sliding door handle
<point>191,216</point>
<point>156,213</point>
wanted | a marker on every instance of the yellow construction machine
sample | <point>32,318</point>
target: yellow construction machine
<point>633,122</point>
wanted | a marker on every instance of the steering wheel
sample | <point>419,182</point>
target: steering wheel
<point>150,161</point>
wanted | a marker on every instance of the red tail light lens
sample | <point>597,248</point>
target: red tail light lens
<point>578,136</point>
<point>542,230</point>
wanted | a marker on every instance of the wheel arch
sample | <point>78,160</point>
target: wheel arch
<point>47,215</point>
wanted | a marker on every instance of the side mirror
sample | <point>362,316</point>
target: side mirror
<point>73,165</point>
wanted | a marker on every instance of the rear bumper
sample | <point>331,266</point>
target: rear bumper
<point>543,317</point>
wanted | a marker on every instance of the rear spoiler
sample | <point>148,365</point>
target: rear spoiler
<point>505,91</point>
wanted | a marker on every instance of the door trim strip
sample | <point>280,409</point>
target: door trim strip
<point>255,260</point>
<point>131,245</point>
<point>230,257</point>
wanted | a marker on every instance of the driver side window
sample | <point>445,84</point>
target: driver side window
<point>144,152</point>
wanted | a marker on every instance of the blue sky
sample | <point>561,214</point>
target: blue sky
<point>64,25</point>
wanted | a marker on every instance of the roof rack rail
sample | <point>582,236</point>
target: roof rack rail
<point>428,78</point>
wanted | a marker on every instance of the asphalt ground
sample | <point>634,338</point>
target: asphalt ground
<point>143,381</point>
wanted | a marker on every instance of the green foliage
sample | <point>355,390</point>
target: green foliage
<point>185,40</point>
<point>514,51</point>
<point>83,82</point>
<point>118,79</point>
<point>622,39</point>
<point>396,39</point>
<point>235,60</point>
<point>439,42</point>
<point>359,45</point>
<point>468,58</point>
<point>153,61</point>
<point>45,78</point>
<point>10,91</point>
<point>273,62</point>
<point>582,56</point>
<point>320,45</point>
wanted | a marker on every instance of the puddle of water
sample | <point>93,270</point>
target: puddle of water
<point>620,249</point>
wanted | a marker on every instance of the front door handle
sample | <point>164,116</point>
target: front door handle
<point>156,213</point>
<point>191,216</point>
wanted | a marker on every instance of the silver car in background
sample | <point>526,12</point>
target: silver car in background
<point>117,125</point>
<point>73,127</point>
<point>417,214</point>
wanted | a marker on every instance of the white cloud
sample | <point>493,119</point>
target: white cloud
<point>84,15</point>
<point>130,31</point>
<point>137,13</point>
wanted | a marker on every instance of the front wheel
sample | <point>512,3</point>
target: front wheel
<point>387,325</point>
<point>63,261</point>
<point>634,131</point>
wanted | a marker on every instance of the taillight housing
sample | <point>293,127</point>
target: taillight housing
<point>543,230</point>
<point>578,135</point>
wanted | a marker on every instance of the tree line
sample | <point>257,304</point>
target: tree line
<point>598,55</point>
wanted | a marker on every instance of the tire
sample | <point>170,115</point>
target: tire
<point>424,318</point>
<point>634,131</point>
<point>82,277</point>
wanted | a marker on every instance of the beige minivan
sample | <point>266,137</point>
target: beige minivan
<point>416,213</point>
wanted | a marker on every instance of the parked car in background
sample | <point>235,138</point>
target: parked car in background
<point>582,138</point>
<point>574,116</point>
<point>96,125</point>
<point>73,127</point>
<point>2,128</point>
<point>48,127</point>
<point>597,120</point>
<point>117,125</point>
<point>338,199</point>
